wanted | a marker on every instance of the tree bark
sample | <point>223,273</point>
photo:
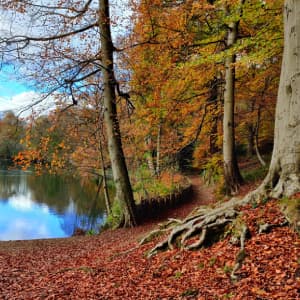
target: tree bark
<point>284,171</point>
<point>157,171</point>
<point>261,160</point>
<point>149,155</point>
<point>232,175</point>
<point>250,139</point>
<point>124,192</point>
<point>215,97</point>
<point>105,189</point>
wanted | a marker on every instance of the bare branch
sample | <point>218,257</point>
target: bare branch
<point>27,39</point>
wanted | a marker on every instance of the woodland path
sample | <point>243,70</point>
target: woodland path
<point>113,266</point>
<point>201,195</point>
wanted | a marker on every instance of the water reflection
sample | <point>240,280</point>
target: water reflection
<point>46,206</point>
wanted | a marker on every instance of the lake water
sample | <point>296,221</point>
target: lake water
<point>34,207</point>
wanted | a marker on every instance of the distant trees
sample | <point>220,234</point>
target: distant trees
<point>11,132</point>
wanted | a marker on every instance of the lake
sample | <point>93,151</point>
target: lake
<point>35,207</point>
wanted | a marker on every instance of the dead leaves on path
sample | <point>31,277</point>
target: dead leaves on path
<point>100,267</point>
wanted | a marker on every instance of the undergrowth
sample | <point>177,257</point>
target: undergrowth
<point>252,175</point>
<point>147,186</point>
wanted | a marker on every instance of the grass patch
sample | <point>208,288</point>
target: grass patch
<point>149,186</point>
<point>114,218</point>
<point>252,175</point>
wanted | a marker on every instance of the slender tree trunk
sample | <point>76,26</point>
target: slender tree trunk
<point>213,137</point>
<point>158,149</point>
<point>214,98</point>
<point>124,192</point>
<point>250,139</point>
<point>105,189</point>
<point>149,155</point>
<point>261,160</point>
<point>283,178</point>
<point>251,129</point>
<point>232,175</point>
<point>259,157</point>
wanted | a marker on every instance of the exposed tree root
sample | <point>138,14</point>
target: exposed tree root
<point>201,226</point>
<point>241,254</point>
<point>206,225</point>
<point>263,228</point>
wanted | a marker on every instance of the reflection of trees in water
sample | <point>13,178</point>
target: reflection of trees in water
<point>77,206</point>
<point>71,221</point>
<point>49,190</point>
<point>60,193</point>
<point>12,183</point>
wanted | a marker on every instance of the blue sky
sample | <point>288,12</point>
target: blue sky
<point>9,87</point>
<point>13,94</point>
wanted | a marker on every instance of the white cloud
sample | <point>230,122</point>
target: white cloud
<point>21,202</point>
<point>22,228</point>
<point>27,103</point>
<point>25,203</point>
<point>43,231</point>
<point>45,209</point>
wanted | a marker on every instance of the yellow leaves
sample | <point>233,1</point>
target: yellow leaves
<point>24,158</point>
<point>57,162</point>
<point>44,143</point>
<point>62,145</point>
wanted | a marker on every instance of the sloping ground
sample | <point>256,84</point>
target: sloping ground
<point>111,266</point>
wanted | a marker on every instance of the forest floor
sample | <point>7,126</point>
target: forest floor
<point>113,266</point>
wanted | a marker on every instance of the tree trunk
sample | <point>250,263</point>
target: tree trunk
<point>261,160</point>
<point>149,155</point>
<point>250,139</point>
<point>105,189</point>
<point>232,175</point>
<point>158,149</point>
<point>284,171</point>
<point>213,136</point>
<point>119,169</point>
<point>216,94</point>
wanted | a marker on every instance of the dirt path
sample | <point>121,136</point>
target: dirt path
<point>202,193</point>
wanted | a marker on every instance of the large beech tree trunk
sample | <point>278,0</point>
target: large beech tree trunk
<point>120,173</point>
<point>284,171</point>
<point>232,175</point>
